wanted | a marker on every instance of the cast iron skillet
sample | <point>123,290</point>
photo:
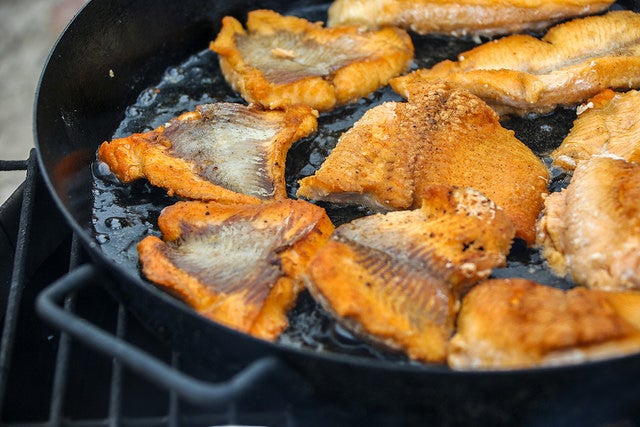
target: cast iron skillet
<point>110,53</point>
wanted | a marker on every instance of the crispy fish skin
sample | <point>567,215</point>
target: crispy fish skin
<point>280,60</point>
<point>456,18</point>
<point>372,164</point>
<point>396,278</point>
<point>591,229</point>
<point>441,136</point>
<point>238,265</point>
<point>607,124</point>
<point>521,74</point>
<point>223,152</point>
<point>518,323</point>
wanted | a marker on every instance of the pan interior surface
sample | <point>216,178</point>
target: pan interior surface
<point>115,78</point>
<point>123,214</point>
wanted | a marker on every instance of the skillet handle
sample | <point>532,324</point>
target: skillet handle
<point>48,306</point>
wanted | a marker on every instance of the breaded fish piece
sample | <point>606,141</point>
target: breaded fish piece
<point>607,124</point>
<point>521,74</point>
<point>238,265</point>
<point>223,152</point>
<point>396,278</point>
<point>518,323</point>
<point>459,18</point>
<point>591,230</point>
<point>280,60</point>
<point>441,136</point>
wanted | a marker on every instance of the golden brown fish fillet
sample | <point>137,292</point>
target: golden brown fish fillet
<point>396,278</point>
<point>223,152</point>
<point>441,136</point>
<point>607,124</point>
<point>521,74</point>
<point>238,265</point>
<point>457,18</point>
<point>281,60</point>
<point>517,323</point>
<point>591,230</point>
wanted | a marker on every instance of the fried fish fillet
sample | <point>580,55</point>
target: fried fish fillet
<point>517,323</point>
<point>607,124</point>
<point>281,60</point>
<point>238,265</point>
<point>223,152</point>
<point>441,136</point>
<point>396,278</point>
<point>591,230</point>
<point>458,18</point>
<point>521,74</point>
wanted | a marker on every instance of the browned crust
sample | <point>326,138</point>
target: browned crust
<point>456,18</point>
<point>517,323</point>
<point>396,278</point>
<point>263,314</point>
<point>606,124</point>
<point>148,155</point>
<point>591,230</point>
<point>388,54</point>
<point>441,136</point>
<point>341,285</point>
<point>520,74</point>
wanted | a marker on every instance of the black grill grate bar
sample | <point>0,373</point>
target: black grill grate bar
<point>18,278</point>
<point>191,420</point>
<point>61,367</point>
<point>115,391</point>
<point>115,416</point>
<point>158,421</point>
<point>174,404</point>
<point>14,165</point>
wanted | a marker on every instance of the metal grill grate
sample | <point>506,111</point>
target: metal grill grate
<point>18,279</point>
